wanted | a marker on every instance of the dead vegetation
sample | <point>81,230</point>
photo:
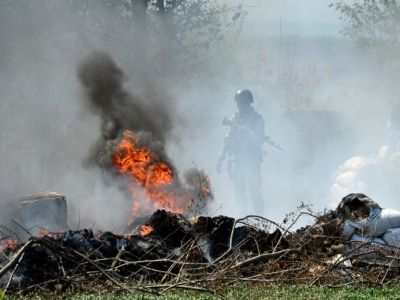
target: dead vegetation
<point>207,254</point>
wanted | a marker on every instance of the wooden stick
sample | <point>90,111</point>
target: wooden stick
<point>13,272</point>
<point>110,277</point>
<point>265,255</point>
<point>16,257</point>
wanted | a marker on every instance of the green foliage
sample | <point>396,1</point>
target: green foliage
<point>254,292</point>
<point>372,22</point>
<point>374,25</point>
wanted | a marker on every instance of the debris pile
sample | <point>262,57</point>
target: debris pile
<point>173,248</point>
<point>207,254</point>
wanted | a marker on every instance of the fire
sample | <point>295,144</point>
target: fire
<point>206,191</point>
<point>143,165</point>
<point>8,243</point>
<point>148,176</point>
<point>43,232</point>
<point>11,244</point>
<point>146,230</point>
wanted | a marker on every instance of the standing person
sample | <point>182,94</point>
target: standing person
<point>243,150</point>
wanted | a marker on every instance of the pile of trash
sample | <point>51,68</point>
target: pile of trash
<point>373,231</point>
<point>356,243</point>
<point>367,222</point>
<point>173,245</point>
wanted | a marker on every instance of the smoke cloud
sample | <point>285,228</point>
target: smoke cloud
<point>150,119</point>
<point>323,100</point>
<point>118,110</point>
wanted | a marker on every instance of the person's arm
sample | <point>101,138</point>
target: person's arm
<point>257,132</point>
<point>225,150</point>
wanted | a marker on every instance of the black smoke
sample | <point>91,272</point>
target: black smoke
<point>148,114</point>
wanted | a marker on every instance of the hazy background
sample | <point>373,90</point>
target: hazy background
<point>323,100</point>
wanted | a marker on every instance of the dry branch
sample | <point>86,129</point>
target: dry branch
<point>79,260</point>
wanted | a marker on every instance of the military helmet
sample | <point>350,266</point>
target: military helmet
<point>244,96</point>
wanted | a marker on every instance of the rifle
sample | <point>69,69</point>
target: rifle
<point>267,139</point>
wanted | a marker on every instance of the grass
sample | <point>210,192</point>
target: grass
<point>252,292</point>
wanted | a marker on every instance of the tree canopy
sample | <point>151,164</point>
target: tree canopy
<point>372,23</point>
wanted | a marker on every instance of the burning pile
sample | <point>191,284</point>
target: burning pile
<point>206,254</point>
<point>174,247</point>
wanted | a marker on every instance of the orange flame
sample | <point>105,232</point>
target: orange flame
<point>146,230</point>
<point>206,191</point>
<point>11,244</point>
<point>140,163</point>
<point>149,177</point>
<point>144,166</point>
<point>43,232</point>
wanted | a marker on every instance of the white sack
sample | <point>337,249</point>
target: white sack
<point>377,223</point>
<point>392,237</point>
<point>367,239</point>
<point>348,230</point>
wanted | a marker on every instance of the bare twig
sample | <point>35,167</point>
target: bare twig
<point>13,272</point>
<point>110,277</point>
<point>16,257</point>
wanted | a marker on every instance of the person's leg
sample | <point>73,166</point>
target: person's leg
<point>239,186</point>
<point>254,184</point>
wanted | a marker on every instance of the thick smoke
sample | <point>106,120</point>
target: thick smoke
<point>150,118</point>
<point>323,100</point>
<point>147,114</point>
<point>45,132</point>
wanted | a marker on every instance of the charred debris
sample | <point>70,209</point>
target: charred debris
<point>205,253</point>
